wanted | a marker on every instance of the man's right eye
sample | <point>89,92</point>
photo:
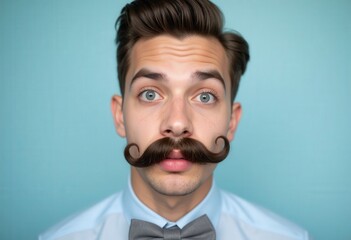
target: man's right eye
<point>149,95</point>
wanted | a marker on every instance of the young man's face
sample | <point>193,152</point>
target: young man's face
<point>176,88</point>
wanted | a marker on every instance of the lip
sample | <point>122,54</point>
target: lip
<point>175,163</point>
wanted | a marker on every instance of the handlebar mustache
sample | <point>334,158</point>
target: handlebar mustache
<point>191,149</point>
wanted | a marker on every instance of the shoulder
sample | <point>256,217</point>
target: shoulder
<point>256,222</point>
<point>87,223</point>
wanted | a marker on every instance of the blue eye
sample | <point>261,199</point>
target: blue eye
<point>149,95</point>
<point>206,98</point>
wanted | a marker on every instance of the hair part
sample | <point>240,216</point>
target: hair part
<point>178,18</point>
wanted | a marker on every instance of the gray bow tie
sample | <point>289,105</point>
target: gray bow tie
<point>199,229</point>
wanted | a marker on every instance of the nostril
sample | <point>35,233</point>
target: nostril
<point>176,131</point>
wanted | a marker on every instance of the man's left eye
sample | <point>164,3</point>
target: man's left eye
<point>206,98</point>
<point>149,95</point>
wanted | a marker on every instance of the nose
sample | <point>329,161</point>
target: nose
<point>176,120</point>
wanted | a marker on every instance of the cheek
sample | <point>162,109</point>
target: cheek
<point>215,122</point>
<point>209,131</point>
<point>140,128</point>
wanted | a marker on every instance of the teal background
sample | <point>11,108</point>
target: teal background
<point>59,152</point>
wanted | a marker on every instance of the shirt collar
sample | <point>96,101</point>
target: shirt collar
<point>135,209</point>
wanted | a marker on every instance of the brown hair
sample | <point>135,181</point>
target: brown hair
<point>179,18</point>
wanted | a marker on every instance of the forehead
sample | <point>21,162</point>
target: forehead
<point>183,54</point>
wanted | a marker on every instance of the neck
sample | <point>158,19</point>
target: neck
<point>170,205</point>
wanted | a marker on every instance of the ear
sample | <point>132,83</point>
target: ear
<point>117,114</point>
<point>234,120</point>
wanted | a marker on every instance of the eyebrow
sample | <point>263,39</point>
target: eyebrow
<point>203,75</point>
<point>198,75</point>
<point>148,74</point>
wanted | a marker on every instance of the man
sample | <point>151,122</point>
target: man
<point>178,74</point>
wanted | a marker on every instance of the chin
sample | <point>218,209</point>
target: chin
<point>175,186</point>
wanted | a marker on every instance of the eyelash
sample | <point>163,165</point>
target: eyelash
<point>212,92</point>
<point>145,89</point>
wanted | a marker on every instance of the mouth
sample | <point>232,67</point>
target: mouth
<point>175,162</point>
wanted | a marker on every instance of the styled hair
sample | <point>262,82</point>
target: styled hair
<point>178,18</point>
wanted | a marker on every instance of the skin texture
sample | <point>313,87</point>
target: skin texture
<point>175,88</point>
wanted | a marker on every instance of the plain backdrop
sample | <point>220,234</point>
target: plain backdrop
<point>59,152</point>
